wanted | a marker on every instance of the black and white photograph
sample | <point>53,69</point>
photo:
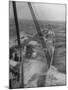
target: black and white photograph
<point>37,44</point>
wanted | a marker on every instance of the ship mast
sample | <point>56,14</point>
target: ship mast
<point>39,33</point>
<point>19,44</point>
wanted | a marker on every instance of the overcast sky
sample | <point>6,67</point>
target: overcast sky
<point>51,12</point>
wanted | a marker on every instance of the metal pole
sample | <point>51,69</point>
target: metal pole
<point>19,43</point>
<point>39,33</point>
<point>16,22</point>
<point>40,38</point>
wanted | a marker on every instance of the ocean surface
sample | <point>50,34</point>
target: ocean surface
<point>59,28</point>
